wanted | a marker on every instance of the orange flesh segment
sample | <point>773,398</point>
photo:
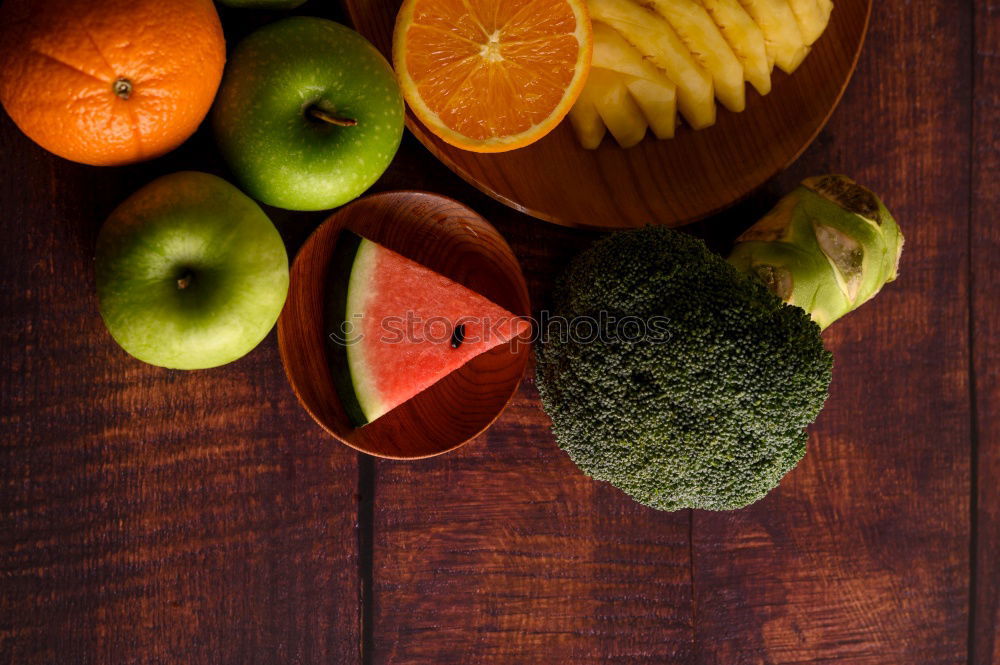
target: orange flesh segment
<point>492,68</point>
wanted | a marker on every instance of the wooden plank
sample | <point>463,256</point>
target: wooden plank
<point>862,555</point>
<point>143,521</point>
<point>147,515</point>
<point>503,552</point>
<point>985,248</point>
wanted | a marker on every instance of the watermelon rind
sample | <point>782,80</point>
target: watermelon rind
<point>359,293</point>
<point>341,268</point>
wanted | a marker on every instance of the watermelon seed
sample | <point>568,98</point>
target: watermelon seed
<point>458,336</point>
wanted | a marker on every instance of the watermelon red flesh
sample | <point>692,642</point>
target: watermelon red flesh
<point>404,318</point>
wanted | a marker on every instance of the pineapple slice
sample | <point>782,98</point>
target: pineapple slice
<point>696,29</point>
<point>654,93</point>
<point>586,121</point>
<point>658,104</point>
<point>652,35</point>
<point>616,107</point>
<point>745,38</point>
<point>826,6</point>
<point>782,36</point>
<point>612,51</point>
<point>810,19</point>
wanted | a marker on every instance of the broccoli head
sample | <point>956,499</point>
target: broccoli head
<point>706,406</point>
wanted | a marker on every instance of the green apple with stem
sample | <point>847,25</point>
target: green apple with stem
<point>309,114</point>
<point>190,272</point>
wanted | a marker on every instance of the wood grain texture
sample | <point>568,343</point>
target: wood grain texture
<point>148,515</point>
<point>449,238</point>
<point>861,555</point>
<point>502,552</point>
<point>985,284</point>
<point>156,517</point>
<point>666,182</point>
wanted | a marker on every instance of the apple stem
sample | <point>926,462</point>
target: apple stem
<point>185,281</point>
<point>317,113</point>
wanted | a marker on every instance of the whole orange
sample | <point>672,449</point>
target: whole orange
<point>109,82</point>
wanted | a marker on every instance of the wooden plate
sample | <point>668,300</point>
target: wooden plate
<point>666,182</point>
<point>445,236</point>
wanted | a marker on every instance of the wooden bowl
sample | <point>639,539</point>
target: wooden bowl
<point>445,236</point>
<point>671,182</point>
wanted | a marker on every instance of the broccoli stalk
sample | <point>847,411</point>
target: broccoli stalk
<point>829,246</point>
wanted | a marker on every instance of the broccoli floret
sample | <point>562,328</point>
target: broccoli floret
<point>707,408</point>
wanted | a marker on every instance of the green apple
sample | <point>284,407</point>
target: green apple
<point>309,114</point>
<point>190,272</point>
<point>263,4</point>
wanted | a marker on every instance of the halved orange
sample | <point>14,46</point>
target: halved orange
<point>492,75</point>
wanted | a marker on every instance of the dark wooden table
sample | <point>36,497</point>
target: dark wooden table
<point>153,516</point>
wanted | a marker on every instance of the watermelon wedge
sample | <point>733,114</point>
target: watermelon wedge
<point>403,327</point>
